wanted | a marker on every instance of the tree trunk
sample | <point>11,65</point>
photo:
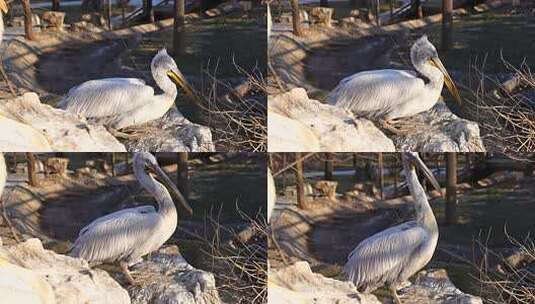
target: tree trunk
<point>299,181</point>
<point>183,174</point>
<point>395,169</point>
<point>419,13</point>
<point>451,188</point>
<point>296,18</point>
<point>108,15</point>
<point>381,174</point>
<point>113,161</point>
<point>447,24</point>
<point>32,167</point>
<point>28,25</point>
<point>355,164</point>
<point>377,4</point>
<point>178,32</point>
<point>55,5</point>
<point>328,166</point>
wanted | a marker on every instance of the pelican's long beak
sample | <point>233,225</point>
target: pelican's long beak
<point>3,6</point>
<point>168,183</point>
<point>180,80</point>
<point>427,172</point>
<point>447,79</point>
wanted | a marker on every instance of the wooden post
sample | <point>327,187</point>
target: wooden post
<point>183,174</point>
<point>381,174</point>
<point>296,18</point>
<point>178,30</point>
<point>451,188</point>
<point>28,25</point>
<point>32,175</point>
<point>447,20</point>
<point>328,166</point>
<point>299,181</point>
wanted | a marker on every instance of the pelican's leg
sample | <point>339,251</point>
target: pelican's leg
<point>394,294</point>
<point>124,268</point>
<point>388,124</point>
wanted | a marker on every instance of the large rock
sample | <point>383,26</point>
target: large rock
<point>70,279</point>
<point>297,284</point>
<point>290,135</point>
<point>434,287</point>
<point>169,279</point>
<point>21,285</point>
<point>64,131</point>
<point>172,133</point>
<point>439,130</point>
<point>336,129</point>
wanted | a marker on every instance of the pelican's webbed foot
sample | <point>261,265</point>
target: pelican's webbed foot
<point>128,276</point>
<point>394,293</point>
<point>397,126</point>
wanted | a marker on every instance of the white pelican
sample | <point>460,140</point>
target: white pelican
<point>391,256</point>
<point>389,94</point>
<point>123,102</point>
<point>127,235</point>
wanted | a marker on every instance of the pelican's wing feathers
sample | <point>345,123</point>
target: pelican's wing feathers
<point>140,209</point>
<point>383,254</point>
<point>376,92</point>
<point>107,97</point>
<point>115,236</point>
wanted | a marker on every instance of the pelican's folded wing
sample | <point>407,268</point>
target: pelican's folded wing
<point>383,254</point>
<point>376,92</point>
<point>115,237</point>
<point>107,97</point>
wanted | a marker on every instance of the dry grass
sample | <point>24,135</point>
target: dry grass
<point>237,115</point>
<point>513,279</point>
<point>503,110</point>
<point>239,258</point>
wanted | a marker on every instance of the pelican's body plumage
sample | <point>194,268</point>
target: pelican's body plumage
<point>127,235</point>
<point>389,94</point>
<point>391,256</point>
<point>124,102</point>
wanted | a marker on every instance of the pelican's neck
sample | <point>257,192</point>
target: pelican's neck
<point>269,20</point>
<point>1,26</point>
<point>3,174</point>
<point>166,206</point>
<point>435,76</point>
<point>163,81</point>
<point>424,213</point>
